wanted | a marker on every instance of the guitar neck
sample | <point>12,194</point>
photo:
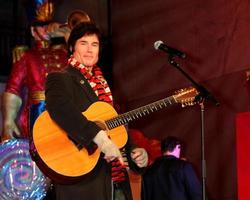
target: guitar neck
<point>140,112</point>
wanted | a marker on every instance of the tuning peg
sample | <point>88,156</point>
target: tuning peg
<point>186,103</point>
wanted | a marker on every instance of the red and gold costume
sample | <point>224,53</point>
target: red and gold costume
<point>27,78</point>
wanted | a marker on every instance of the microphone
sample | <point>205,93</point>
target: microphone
<point>159,45</point>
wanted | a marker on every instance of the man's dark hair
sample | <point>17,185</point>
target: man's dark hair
<point>80,30</point>
<point>169,143</point>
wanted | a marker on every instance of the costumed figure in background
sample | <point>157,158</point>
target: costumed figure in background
<point>23,101</point>
<point>25,86</point>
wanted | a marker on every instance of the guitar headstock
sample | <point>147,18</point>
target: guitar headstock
<point>186,96</point>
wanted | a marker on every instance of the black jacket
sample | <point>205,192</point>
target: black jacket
<point>170,178</point>
<point>68,94</point>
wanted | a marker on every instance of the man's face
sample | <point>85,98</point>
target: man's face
<point>86,50</point>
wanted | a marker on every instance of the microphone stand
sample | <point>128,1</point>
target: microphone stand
<point>204,94</point>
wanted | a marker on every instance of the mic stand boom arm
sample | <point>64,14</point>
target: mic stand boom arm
<point>204,94</point>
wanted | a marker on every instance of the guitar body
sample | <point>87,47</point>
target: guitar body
<point>58,157</point>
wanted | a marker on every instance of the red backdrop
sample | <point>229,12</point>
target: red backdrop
<point>215,36</point>
<point>243,162</point>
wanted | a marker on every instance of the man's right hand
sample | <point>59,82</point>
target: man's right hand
<point>110,150</point>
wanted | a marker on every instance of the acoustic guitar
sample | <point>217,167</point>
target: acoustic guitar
<point>60,159</point>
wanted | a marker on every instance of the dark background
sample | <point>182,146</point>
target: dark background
<point>214,34</point>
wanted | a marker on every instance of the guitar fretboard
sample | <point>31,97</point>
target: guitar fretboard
<point>140,112</point>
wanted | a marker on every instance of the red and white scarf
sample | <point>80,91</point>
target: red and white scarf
<point>95,79</point>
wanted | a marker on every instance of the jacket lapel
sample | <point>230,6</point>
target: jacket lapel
<point>82,82</point>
